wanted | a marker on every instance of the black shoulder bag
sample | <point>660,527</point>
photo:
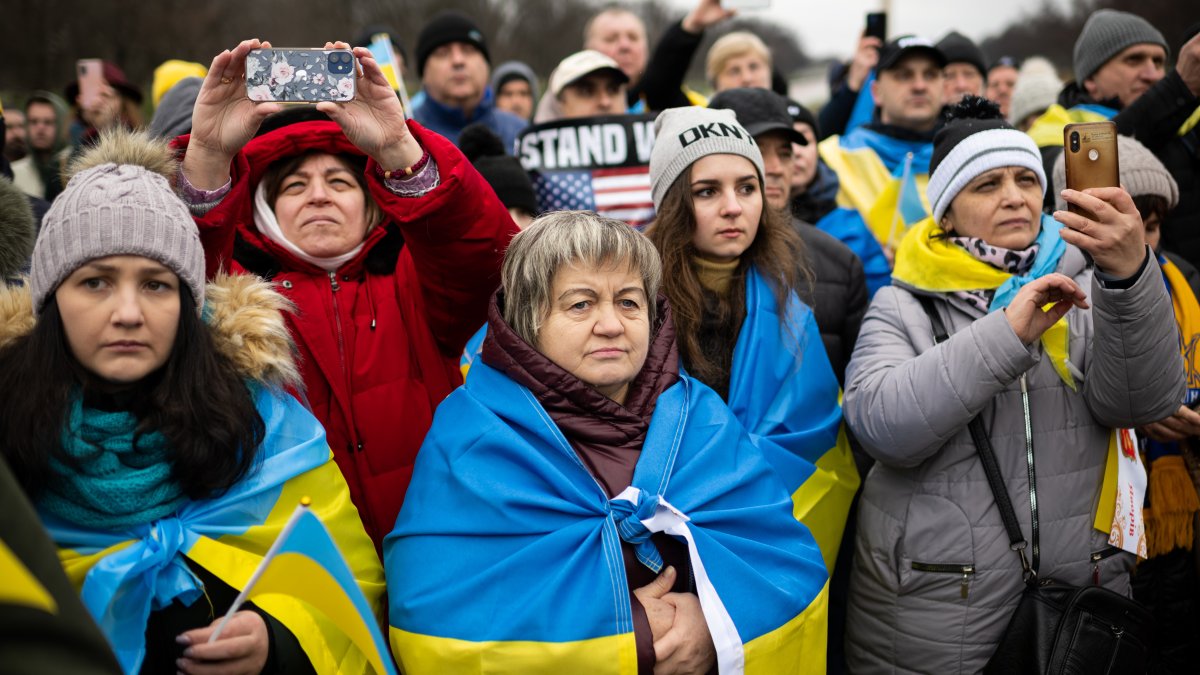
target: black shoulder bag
<point>1056,628</point>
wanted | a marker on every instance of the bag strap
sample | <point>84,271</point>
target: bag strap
<point>987,456</point>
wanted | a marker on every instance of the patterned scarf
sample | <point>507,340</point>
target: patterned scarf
<point>1017,263</point>
<point>120,478</point>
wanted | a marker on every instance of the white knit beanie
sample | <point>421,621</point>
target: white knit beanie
<point>684,135</point>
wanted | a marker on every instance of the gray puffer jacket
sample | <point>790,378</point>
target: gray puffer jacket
<point>934,581</point>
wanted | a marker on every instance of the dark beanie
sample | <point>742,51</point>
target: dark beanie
<point>448,26</point>
<point>501,170</point>
<point>959,48</point>
<point>800,113</point>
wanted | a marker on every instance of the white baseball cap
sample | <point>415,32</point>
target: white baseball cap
<point>581,64</point>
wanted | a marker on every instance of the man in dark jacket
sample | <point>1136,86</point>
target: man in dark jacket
<point>839,291</point>
<point>1121,74</point>
<point>655,81</point>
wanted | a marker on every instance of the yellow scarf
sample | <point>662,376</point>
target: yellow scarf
<point>928,261</point>
<point>1187,316</point>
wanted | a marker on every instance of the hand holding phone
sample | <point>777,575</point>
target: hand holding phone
<point>1101,218</point>
<point>876,26</point>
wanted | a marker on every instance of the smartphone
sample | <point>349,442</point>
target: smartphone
<point>90,75</point>
<point>301,75</point>
<point>745,4</point>
<point>1090,155</point>
<point>876,26</point>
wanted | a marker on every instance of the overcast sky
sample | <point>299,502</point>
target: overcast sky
<point>832,27</point>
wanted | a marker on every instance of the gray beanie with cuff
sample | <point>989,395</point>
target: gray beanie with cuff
<point>684,135</point>
<point>1107,33</point>
<point>119,202</point>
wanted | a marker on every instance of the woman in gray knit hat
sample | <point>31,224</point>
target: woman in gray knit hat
<point>146,415</point>
<point>732,270</point>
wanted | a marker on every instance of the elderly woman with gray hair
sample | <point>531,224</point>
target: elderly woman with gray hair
<point>590,507</point>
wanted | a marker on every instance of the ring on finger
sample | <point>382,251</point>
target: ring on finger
<point>226,80</point>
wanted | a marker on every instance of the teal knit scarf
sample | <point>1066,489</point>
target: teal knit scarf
<point>117,482</point>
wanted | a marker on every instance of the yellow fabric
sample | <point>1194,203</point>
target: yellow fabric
<point>695,98</point>
<point>823,502</point>
<point>1190,123</point>
<point>170,73</point>
<point>1106,506</point>
<point>1047,130</point>
<point>868,187</point>
<point>1173,506</point>
<point>420,654</point>
<point>234,558</point>
<point>715,276</point>
<point>795,647</point>
<point>1187,316</point>
<point>930,262</point>
<point>20,586</point>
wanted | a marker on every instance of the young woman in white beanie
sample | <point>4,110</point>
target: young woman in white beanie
<point>731,270</point>
<point>146,415</point>
<point>996,315</point>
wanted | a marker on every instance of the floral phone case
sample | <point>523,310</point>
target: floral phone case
<point>300,75</point>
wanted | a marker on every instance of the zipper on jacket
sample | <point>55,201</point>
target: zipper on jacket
<point>965,570</point>
<point>1033,505</point>
<point>337,322</point>
<point>1097,557</point>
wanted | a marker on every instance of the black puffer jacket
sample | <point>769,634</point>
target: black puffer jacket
<point>838,295</point>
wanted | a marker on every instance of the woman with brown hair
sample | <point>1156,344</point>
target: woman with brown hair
<point>732,271</point>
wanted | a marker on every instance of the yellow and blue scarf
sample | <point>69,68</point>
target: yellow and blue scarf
<point>124,573</point>
<point>928,261</point>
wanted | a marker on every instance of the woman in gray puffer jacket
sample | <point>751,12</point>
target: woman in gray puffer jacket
<point>934,582</point>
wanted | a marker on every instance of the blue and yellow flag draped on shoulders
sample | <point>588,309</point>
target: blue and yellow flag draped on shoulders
<point>507,554</point>
<point>883,178</point>
<point>784,391</point>
<point>124,575</point>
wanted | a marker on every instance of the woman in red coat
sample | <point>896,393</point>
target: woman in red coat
<point>382,234</point>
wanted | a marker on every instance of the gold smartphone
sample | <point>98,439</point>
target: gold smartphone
<point>1090,155</point>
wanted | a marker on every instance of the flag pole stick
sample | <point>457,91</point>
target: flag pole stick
<point>262,567</point>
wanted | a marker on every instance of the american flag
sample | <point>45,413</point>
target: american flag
<point>621,193</point>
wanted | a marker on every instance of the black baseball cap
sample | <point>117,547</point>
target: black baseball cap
<point>759,111</point>
<point>897,49</point>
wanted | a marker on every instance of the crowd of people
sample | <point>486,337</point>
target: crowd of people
<point>761,432</point>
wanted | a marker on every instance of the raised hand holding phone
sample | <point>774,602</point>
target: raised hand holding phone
<point>374,119</point>
<point>1114,236</point>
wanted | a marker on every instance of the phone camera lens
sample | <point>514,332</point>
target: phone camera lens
<point>1074,141</point>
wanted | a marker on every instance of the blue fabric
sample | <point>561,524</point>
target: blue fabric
<point>119,478</point>
<point>637,108</point>
<point>524,535</point>
<point>122,588</point>
<point>472,351</point>
<point>850,228</point>
<point>864,106</point>
<point>450,122</point>
<point>891,151</point>
<point>1102,110</point>
<point>781,387</point>
<point>1050,252</point>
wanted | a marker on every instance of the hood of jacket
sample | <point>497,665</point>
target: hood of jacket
<point>17,231</point>
<point>244,312</point>
<point>821,196</point>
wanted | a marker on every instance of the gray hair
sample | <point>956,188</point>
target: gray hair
<point>566,238</point>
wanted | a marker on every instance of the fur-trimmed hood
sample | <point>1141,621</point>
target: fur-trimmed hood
<point>244,312</point>
<point>17,230</point>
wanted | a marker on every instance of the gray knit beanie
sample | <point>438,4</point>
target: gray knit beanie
<point>1141,173</point>
<point>684,135</point>
<point>118,203</point>
<point>1108,32</point>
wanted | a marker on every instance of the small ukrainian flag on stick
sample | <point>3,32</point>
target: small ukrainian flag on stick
<point>305,563</point>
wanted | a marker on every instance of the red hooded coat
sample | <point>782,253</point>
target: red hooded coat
<point>379,340</point>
